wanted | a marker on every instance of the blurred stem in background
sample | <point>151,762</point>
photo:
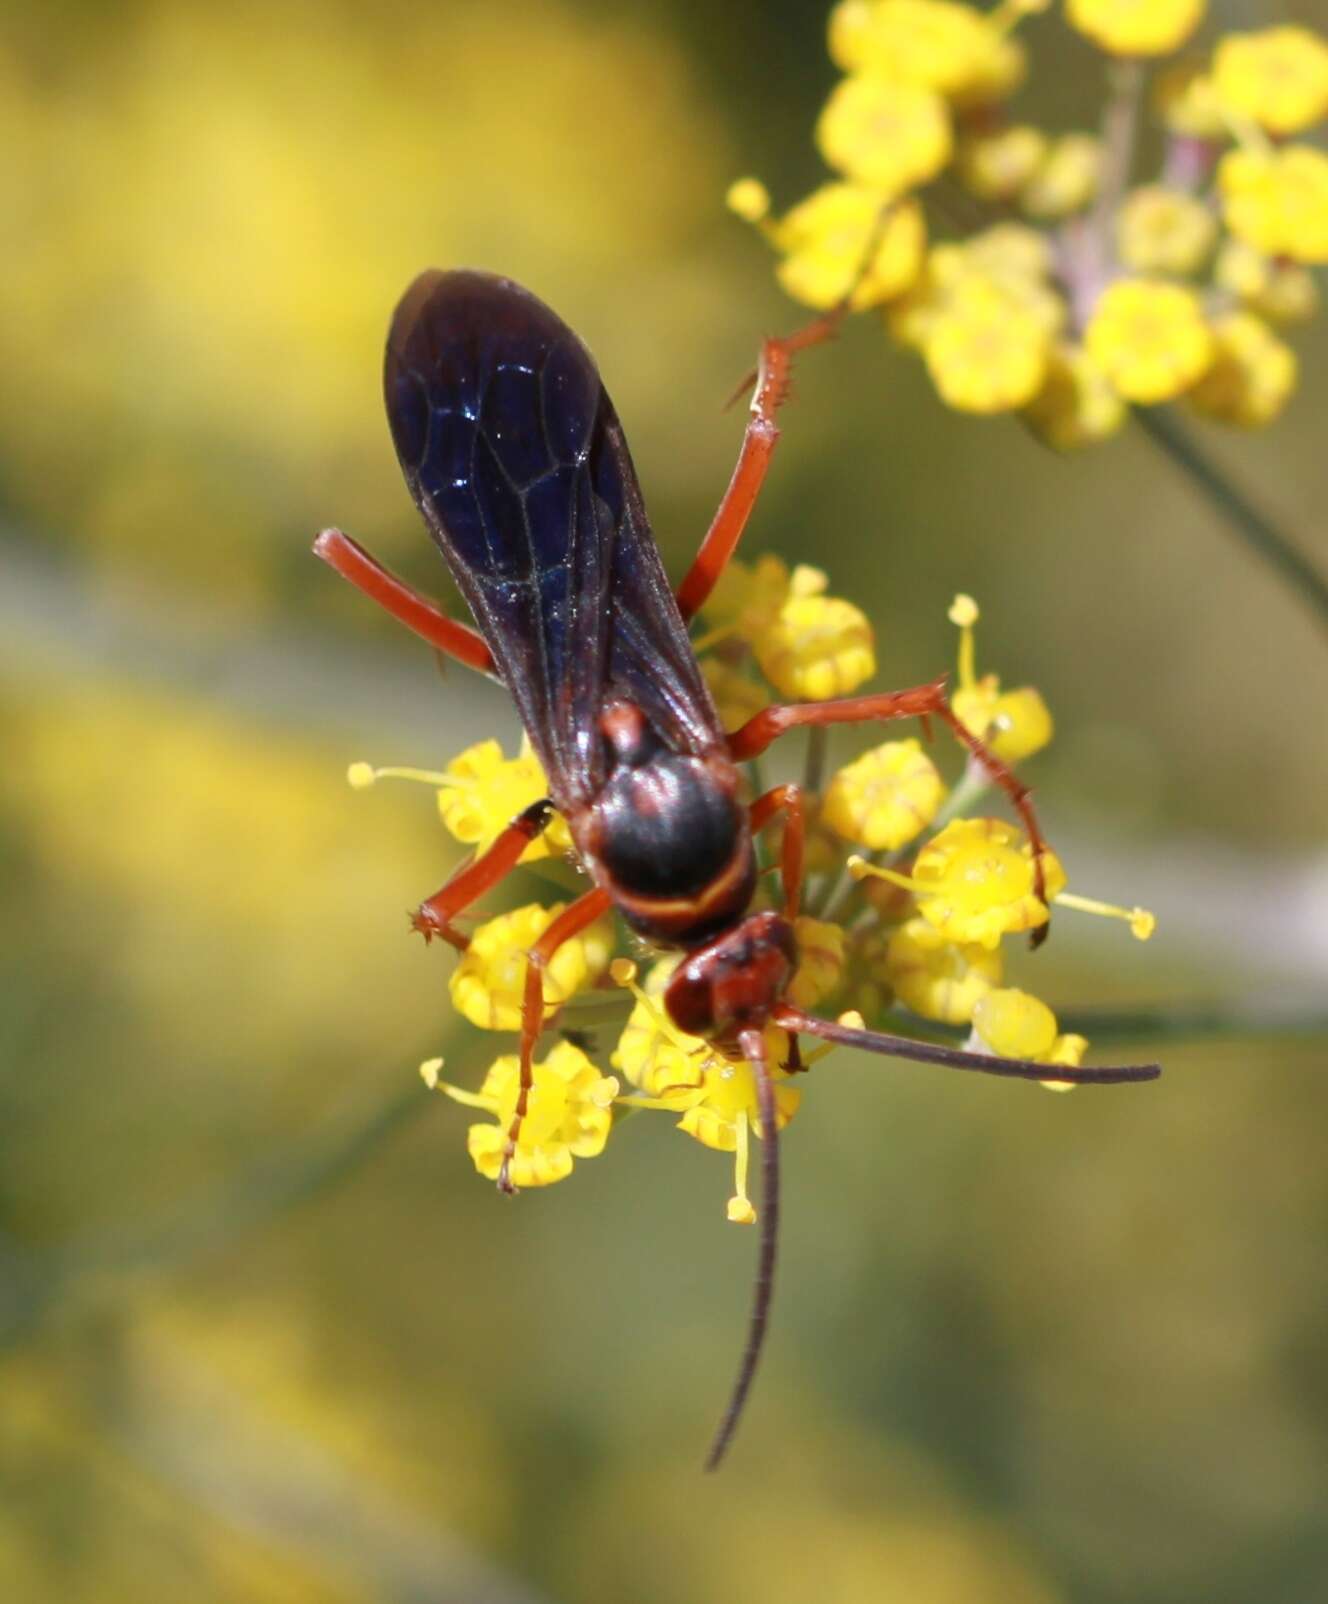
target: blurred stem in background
<point>1259,533</point>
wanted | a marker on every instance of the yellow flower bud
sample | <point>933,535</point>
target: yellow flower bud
<point>1277,77</point>
<point>886,797</point>
<point>1149,338</point>
<point>1252,377</point>
<point>488,984</point>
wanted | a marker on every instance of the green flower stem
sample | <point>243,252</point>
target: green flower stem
<point>1259,533</point>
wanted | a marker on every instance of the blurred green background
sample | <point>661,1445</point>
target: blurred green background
<point>266,1337</point>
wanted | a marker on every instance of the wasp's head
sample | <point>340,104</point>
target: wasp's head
<point>734,982</point>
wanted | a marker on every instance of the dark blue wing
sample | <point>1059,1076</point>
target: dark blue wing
<point>516,458</point>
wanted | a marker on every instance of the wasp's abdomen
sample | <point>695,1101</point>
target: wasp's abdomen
<point>672,840</point>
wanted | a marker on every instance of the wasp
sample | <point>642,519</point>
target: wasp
<point>516,459</point>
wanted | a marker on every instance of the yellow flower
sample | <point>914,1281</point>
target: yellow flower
<point>817,646</point>
<point>824,240</point>
<point>1014,1024</point>
<point>1281,291</point>
<point>890,136</point>
<point>1277,200</point>
<point>1149,338</point>
<point>1008,260</point>
<point>974,881</point>
<point>749,199</point>
<point>1252,377</point>
<point>1162,230</point>
<point>1010,253</point>
<point>1188,103</point>
<point>820,962</point>
<point>1135,27</point>
<point>1014,724</point>
<point>737,696</point>
<point>997,166</point>
<point>728,1097</point>
<point>936,43</point>
<point>1078,405</point>
<point>886,797</point>
<point>937,978</point>
<point>488,984</point>
<point>1068,178</point>
<point>1278,77</point>
<point>568,1116</point>
<point>747,597</point>
<point>487,791</point>
<point>985,352</point>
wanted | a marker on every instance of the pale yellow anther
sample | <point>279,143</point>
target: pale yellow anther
<point>430,1070</point>
<point>622,972</point>
<point>851,1019</point>
<point>604,1091</point>
<point>741,1212</point>
<point>963,611</point>
<point>749,199</point>
<point>360,776</point>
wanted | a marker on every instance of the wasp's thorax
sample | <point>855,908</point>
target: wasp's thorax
<point>734,982</point>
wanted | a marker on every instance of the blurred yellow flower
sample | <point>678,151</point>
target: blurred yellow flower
<point>737,695</point>
<point>885,134</point>
<point>1281,291</point>
<point>1149,338</point>
<point>985,352</point>
<point>996,166</point>
<point>1078,405</point>
<point>824,240</point>
<point>568,1116</point>
<point>1135,27</point>
<point>938,44</point>
<point>1277,200</point>
<point>817,646</point>
<point>1164,230</point>
<point>1188,103</point>
<point>938,978</point>
<point>747,597</point>
<point>488,984</point>
<point>1252,376</point>
<point>1067,179</point>
<point>1277,77</point>
<point>884,798</point>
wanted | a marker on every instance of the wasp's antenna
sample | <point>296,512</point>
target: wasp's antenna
<point>752,1043</point>
<point>875,1041</point>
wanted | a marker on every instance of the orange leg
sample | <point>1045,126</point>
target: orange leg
<point>785,799</point>
<point>919,702</point>
<point>434,915</point>
<point>430,623</point>
<point>570,922</point>
<point>758,445</point>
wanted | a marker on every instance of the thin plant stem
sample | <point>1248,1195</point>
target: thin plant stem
<point>1259,533</point>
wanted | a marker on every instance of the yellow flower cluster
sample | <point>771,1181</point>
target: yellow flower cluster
<point>1083,293</point>
<point>910,897</point>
